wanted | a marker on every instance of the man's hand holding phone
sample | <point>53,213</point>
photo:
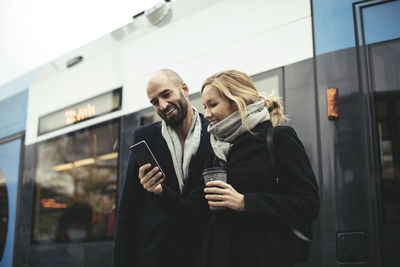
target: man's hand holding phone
<point>151,180</point>
<point>150,173</point>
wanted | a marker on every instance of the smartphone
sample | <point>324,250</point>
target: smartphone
<point>143,155</point>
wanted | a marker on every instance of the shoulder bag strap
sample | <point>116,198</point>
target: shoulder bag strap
<point>272,158</point>
<point>271,151</point>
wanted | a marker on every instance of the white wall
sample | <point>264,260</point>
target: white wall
<point>200,38</point>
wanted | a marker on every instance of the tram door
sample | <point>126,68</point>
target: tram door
<point>381,36</point>
<point>9,173</point>
<point>385,73</point>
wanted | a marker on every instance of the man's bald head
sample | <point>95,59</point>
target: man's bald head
<point>169,96</point>
<point>163,74</point>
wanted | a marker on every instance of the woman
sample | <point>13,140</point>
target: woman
<point>253,229</point>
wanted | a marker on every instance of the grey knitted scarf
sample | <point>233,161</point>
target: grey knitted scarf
<point>223,133</point>
<point>181,158</point>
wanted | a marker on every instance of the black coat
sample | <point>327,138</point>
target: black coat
<point>167,230</point>
<point>260,236</point>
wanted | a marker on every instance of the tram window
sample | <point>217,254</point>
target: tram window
<point>387,114</point>
<point>197,102</point>
<point>76,186</point>
<point>269,82</point>
<point>148,117</point>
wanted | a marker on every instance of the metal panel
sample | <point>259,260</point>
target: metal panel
<point>351,247</point>
<point>345,185</point>
<point>13,114</point>
<point>300,105</point>
<point>299,91</point>
<point>25,213</point>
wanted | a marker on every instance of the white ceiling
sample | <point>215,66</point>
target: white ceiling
<point>34,32</point>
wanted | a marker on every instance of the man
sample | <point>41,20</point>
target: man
<point>160,222</point>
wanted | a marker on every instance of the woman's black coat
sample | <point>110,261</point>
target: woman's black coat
<point>260,236</point>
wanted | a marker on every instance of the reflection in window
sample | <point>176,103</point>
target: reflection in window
<point>149,117</point>
<point>387,113</point>
<point>76,186</point>
<point>270,82</point>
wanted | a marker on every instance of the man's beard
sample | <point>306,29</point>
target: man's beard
<point>177,119</point>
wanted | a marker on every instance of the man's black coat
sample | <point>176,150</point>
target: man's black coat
<point>162,231</point>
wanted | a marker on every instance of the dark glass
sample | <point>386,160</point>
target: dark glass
<point>387,114</point>
<point>76,186</point>
<point>3,213</point>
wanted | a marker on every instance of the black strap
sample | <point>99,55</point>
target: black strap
<point>270,146</point>
<point>271,152</point>
<point>272,158</point>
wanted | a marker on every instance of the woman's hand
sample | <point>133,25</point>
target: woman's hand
<point>221,194</point>
<point>149,181</point>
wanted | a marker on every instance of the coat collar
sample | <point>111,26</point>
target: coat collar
<point>164,156</point>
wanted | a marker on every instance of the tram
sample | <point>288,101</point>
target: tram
<point>335,64</point>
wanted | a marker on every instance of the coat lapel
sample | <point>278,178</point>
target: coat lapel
<point>164,158</point>
<point>163,155</point>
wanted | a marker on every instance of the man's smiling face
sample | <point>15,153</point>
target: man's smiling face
<point>168,99</point>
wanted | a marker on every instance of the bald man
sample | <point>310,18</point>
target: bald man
<point>161,222</point>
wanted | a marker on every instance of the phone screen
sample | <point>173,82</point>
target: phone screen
<point>143,155</point>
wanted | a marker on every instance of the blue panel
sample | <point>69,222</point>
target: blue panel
<point>333,25</point>
<point>382,22</point>
<point>9,166</point>
<point>13,114</point>
<point>17,85</point>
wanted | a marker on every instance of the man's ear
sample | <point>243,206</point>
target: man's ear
<point>185,89</point>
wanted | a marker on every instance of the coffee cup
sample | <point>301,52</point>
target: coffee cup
<point>215,174</point>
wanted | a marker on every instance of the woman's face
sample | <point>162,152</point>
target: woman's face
<point>217,107</point>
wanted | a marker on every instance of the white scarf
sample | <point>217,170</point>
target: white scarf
<point>223,133</point>
<point>181,159</point>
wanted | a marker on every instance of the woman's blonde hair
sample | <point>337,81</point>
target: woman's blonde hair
<point>239,88</point>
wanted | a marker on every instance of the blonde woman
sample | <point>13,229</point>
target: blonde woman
<point>253,228</point>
